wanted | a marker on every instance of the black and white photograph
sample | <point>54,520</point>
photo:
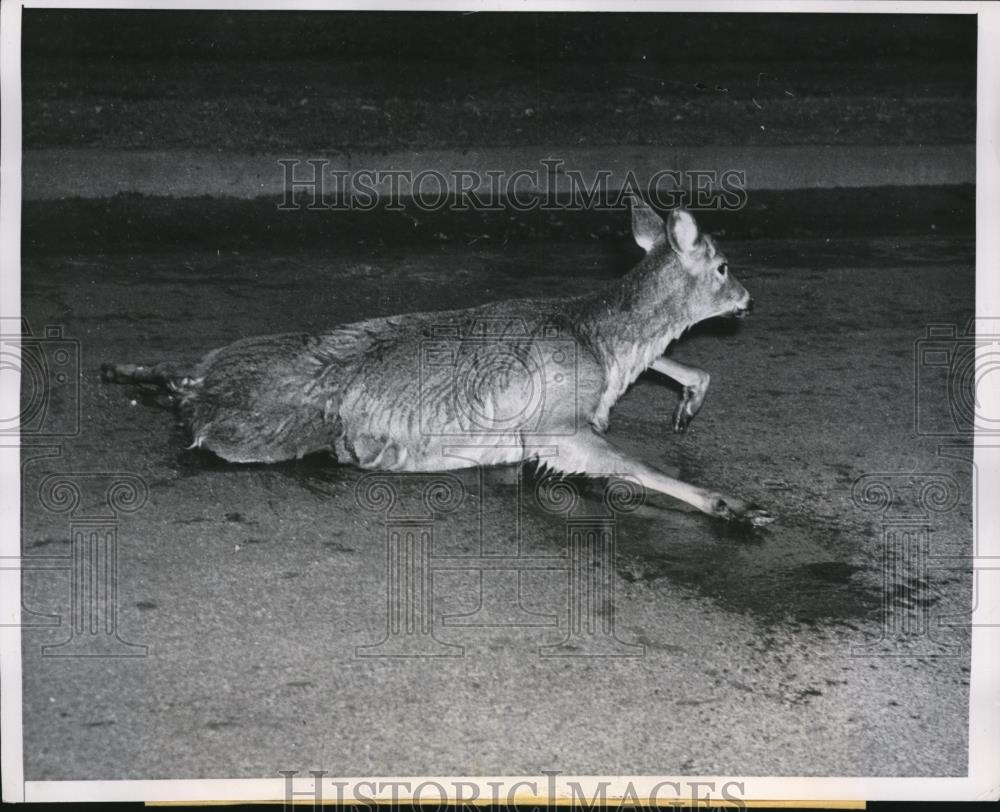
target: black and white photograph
<point>500,403</point>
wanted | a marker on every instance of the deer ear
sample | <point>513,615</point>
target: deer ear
<point>647,225</point>
<point>682,231</point>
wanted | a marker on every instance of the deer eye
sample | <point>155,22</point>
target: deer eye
<point>723,268</point>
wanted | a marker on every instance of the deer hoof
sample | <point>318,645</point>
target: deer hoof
<point>735,510</point>
<point>682,417</point>
<point>755,516</point>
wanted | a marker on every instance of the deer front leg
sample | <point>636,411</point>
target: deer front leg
<point>695,382</point>
<point>588,453</point>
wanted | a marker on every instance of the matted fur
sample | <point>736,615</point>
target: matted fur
<point>480,386</point>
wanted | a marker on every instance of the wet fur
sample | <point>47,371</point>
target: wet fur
<point>365,392</point>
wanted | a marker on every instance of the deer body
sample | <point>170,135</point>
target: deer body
<point>499,383</point>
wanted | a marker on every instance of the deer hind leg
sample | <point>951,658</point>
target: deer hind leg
<point>167,374</point>
<point>695,382</point>
<point>588,453</point>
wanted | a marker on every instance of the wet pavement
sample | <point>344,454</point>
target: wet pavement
<point>733,652</point>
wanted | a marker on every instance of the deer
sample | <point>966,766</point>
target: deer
<point>522,380</point>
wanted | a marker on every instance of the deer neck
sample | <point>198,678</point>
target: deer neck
<point>641,313</point>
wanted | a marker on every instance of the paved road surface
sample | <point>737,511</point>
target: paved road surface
<point>252,586</point>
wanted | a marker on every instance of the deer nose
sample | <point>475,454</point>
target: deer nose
<point>743,311</point>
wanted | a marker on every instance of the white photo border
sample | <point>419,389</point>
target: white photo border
<point>983,779</point>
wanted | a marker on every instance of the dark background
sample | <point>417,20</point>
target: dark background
<point>253,83</point>
<point>265,81</point>
<point>488,37</point>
